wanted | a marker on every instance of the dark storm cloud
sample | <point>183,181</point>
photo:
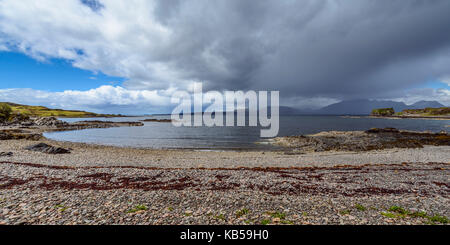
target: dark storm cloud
<point>315,52</point>
<point>337,49</point>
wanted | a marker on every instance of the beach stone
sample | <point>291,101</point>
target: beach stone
<point>44,148</point>
<point>6,154</point>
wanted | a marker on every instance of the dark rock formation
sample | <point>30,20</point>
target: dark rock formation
<point>157,120</point>
<point>42,147</point>
<point>50,122</point>
<point>17,134</point>
<point>98,124</point>
<point>372,139</point>
<point>6,154</point>
<point>20,120</point>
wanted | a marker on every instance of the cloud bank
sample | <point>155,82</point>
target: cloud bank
<point>103,99</point>
<point>310,50</point>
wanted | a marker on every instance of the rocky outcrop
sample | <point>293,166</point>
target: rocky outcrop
<point>157,120</point>
<point>372,139</point>
<point>32,129</point>
<point>53,123</point>
<point>44,148</point>
<point>50,122</point>
<point>20,120</point>
<point>99,124</point>
<point>17,134</point>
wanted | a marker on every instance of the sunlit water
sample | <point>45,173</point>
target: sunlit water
<point>164,135</point>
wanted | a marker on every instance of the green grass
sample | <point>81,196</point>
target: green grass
<point>390,215</point>
<point>242,212</point>
<point>344,212</point>
<point>61,208</point>
<point>265,222</point>
<point>220,217</point>
<point>277,215</point>
<point>439,219</point>
<point>398,209</point>
<point>395,212</point>
<point>138,208</point>
<point>360,207</point>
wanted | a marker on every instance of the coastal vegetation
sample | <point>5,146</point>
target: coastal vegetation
<point>42,111</point>
<point>383,112</point>
<point>426,112</point>
<point>442,111</point>
<point>5,111</point>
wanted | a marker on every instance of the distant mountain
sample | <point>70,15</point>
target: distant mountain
<point>426,104</point>
<point>359,107</point>
<point>353,107</point>
<point>365,106</point>
<point>285,110</point>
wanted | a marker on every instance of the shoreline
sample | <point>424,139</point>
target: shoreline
<point>412,117</point>
<point>83,154</point>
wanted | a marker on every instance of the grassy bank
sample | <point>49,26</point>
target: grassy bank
<point>443,111</point>
<point>42,111</point>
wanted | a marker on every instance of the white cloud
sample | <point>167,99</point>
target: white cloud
<point>441,95</point>
<point>446,80</point>
<point>123,40</point>
<point>102,99</point>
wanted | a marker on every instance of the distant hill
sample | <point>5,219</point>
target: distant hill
<point>357,107</point>
<point>42,111</point>
<point>365,107</point>
<point>426,104</point>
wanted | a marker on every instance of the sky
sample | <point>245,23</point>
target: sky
<point>129,57</point>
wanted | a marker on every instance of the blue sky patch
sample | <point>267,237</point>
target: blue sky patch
<point>20,71</point>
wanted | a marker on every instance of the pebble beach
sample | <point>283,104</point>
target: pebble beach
<point>115,185</point>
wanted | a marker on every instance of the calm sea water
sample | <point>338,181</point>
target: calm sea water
<point>165,136</point>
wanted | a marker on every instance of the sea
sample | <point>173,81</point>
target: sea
<point>163,135</point>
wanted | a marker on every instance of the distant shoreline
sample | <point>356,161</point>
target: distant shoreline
<point>413,117</point>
